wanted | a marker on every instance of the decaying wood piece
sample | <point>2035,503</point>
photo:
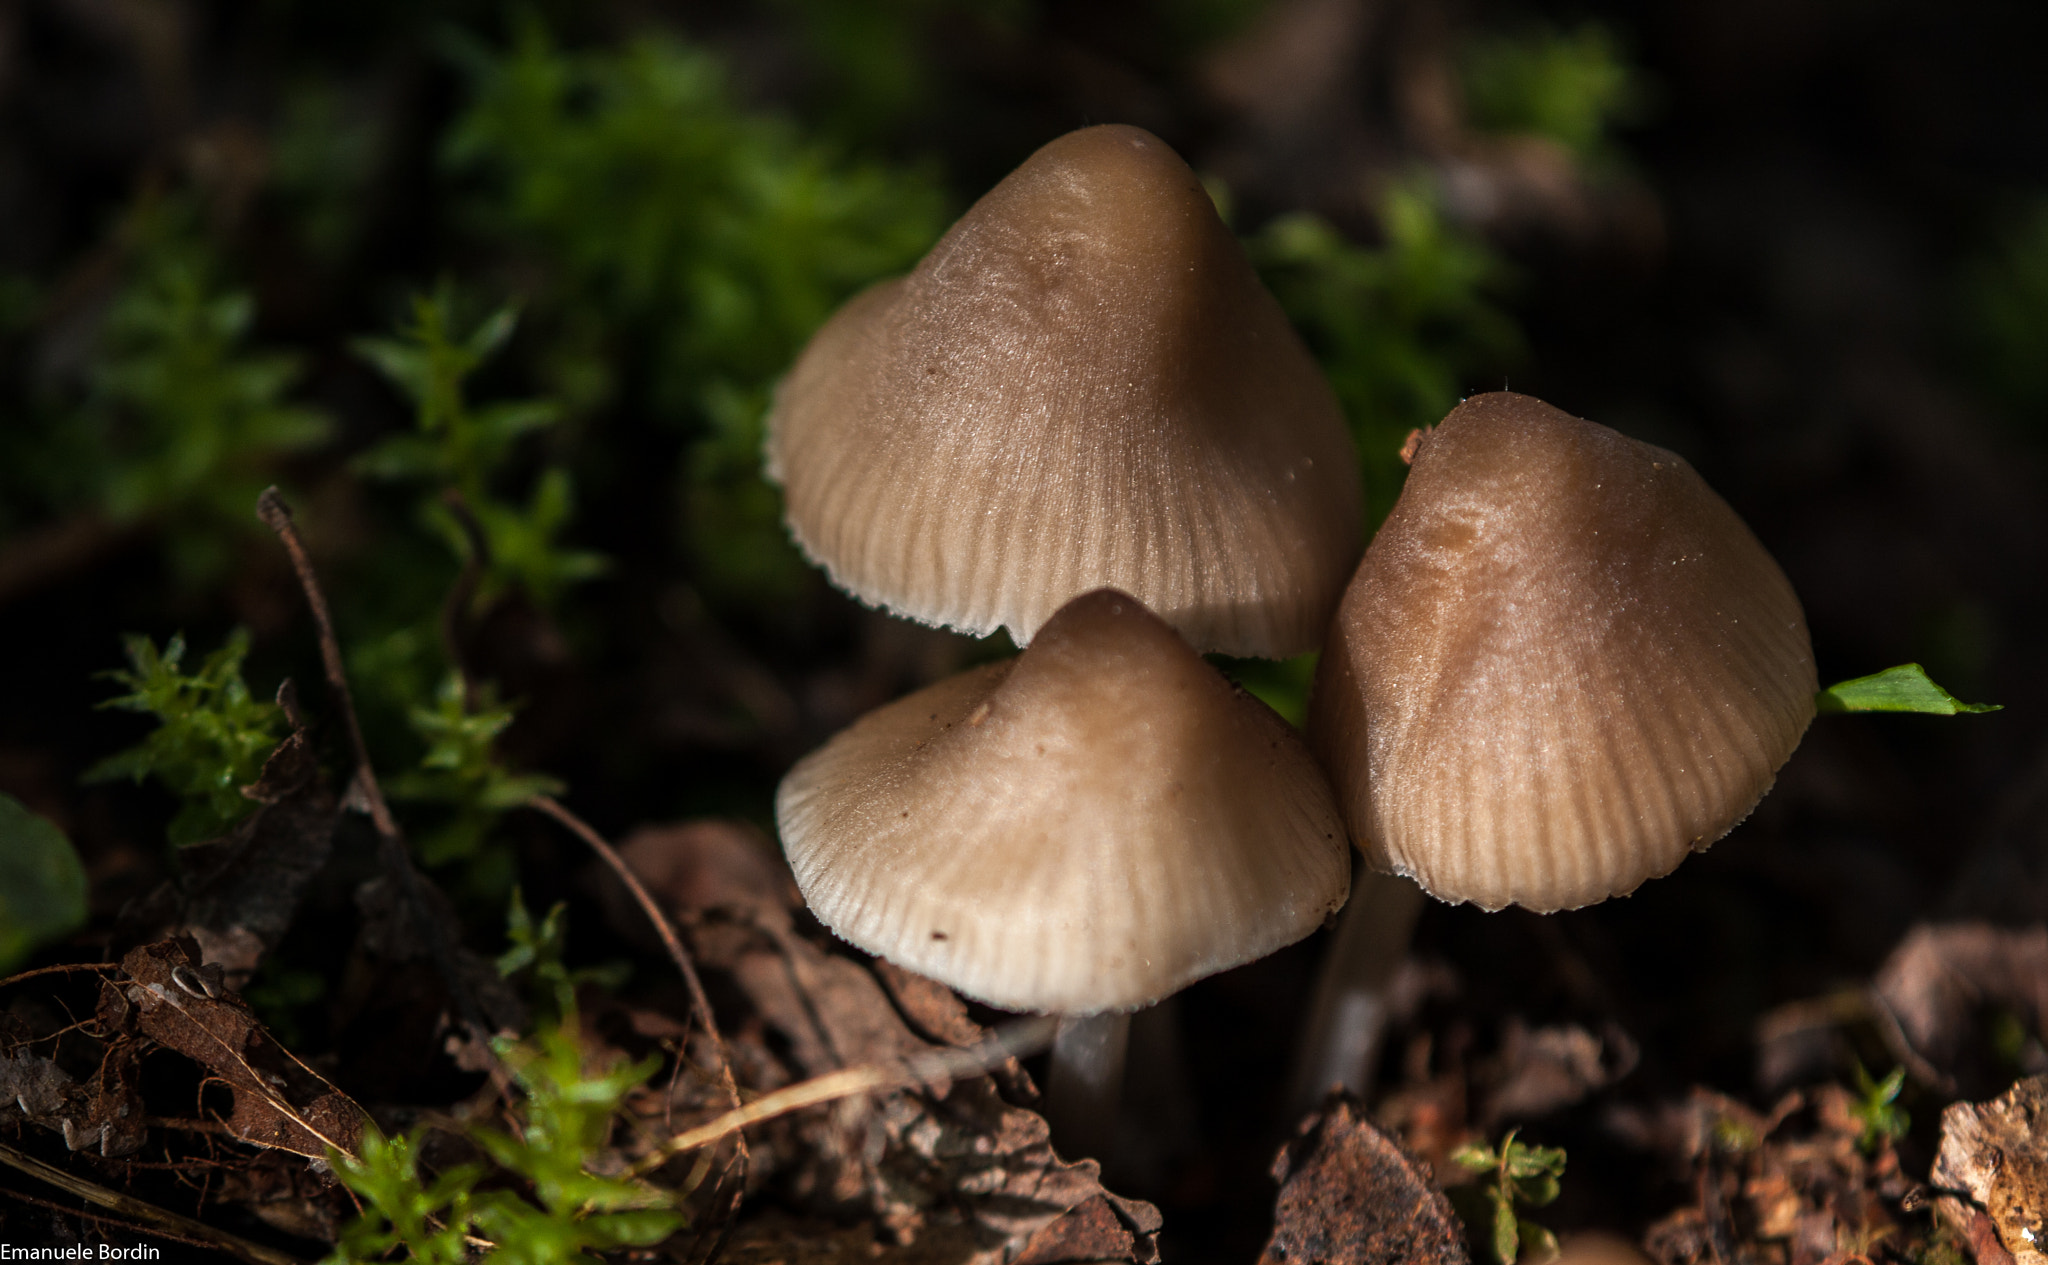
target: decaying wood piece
<point>1993,1164</point>
<point>1349,1195</point>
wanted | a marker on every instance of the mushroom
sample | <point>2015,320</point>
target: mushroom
<point>1084,384</point>
<point>1563,665</point>
<point>1081,830</point>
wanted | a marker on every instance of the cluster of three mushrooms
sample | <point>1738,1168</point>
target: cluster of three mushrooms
<point>1081,417</point>
<point>1563,663</point>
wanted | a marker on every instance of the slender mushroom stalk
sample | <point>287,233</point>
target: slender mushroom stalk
<point>1084,1095</point>
<point>1082,830</point>
<point>1564,665</point>
<point>1348,1013</point>
<point>1084,384</point>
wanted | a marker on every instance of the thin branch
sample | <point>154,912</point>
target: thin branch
<point>277,516</point>
<point>271,508</point>
<point>1024,1037</point>
<point>170,1223</point>
<point>55,970</point>
<point>552,807</point>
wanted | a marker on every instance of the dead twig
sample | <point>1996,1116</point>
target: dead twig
<point>170,1223</point>
<point>56,970</point>
<point>552,807</point>
<point>1026,1036</point>
<point>276,515</point>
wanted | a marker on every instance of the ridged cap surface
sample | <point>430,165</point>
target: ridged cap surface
<point>1564,664</point>
<point>1087,827</point>
<point>1084,384</point>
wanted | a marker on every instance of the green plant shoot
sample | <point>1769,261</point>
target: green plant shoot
<point>466,449</point>
<point>461,770</point>
<point>212,740</point>
<point>565,1117</point>
<point>536,951</point>
<point>401,1208</point>
<point>1905,688</point>
<point>1516,1174</point>
<point>1571,87</point>
<point>1877,1109</point>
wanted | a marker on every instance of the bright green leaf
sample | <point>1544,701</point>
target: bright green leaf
<point>1905,688</point>
<point>42,884</point>
<point>1507,1238</point>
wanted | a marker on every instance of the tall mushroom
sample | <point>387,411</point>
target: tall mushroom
<point>1084,384</point>
<point>1563,665</point>
<point>1081,830</point>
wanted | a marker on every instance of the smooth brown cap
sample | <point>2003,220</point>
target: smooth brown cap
<point>1564,664</point>
<point>1083,384</point>
<point>1087,827</point>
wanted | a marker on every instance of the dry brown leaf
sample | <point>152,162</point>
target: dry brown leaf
<point>237,894</point>
<point>278,1101</point>
<point>1349,1195</point>
<point>103,1115</point>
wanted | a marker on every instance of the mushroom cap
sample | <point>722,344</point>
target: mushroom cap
<point>1563,664</point>
<point>1087,827</point>
<point>1083,384</point>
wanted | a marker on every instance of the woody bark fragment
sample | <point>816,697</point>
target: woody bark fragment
<point>1349,1195</point>
<point>1993,1164</point>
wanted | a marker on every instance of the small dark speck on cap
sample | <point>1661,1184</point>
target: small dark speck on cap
<point>938,935</point>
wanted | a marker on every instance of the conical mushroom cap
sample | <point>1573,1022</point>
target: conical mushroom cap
<point>1563,664</point>
<point>1087,827</point>
<point>1083,385</point>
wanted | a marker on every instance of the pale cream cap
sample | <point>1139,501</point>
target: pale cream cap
<point>1563,665</point>
<point>1090,826</point>
<point>1083,385</point>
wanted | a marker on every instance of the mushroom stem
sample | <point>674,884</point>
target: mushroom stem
<point>1085,1089</point>
<point>1341,1043</point>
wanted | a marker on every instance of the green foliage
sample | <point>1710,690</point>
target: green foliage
<point>42,884</point>
<point>1281,684</point>
<point>1515,1175</point>
<point>565,1120</point>
<point>2005,314</point>
<point>212,740</point>
<point>466,449</point>
<point>876,57</point>
<point>1942,1247</point>
<point>1877,1110</point>
<point>461,771</point>
<point>1572,87</point>
<point>403,1209</point>
<point>323,152</point>
<point>182,424</point>
<point>568,1118</point>
<point>1905,688</point>
<point>687,236</point>
<point>1400,329</point>
<point>536,953</point>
